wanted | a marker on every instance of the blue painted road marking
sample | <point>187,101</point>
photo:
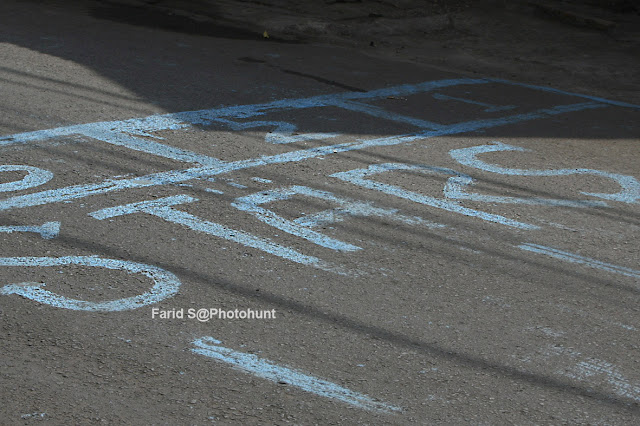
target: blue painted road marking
<point>113,135</point>
<point>358,177</point>
<point>302,227</point>
<point>35,177</point>
<point>454,190</point>
<point>263,368</point>
<point>175,121</point>
<point>178,176</point>
<point>47,230</point>
<point>136,133</point>
<point>630,192</point>
<point>282,133</point>
<point>488,107</point>
<point>564,92</point>
<point>574,258</point>
<point>165,284</point>
<point>378,112</point>
<point>162,209</point>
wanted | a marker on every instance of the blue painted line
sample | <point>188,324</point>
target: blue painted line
<point>176,176</point>
<point>134,126</point>
<point>488,107</point>
<point>118,133</point>
<point>144,126</point>
<point>454,190</point>
<point>205,117</point>
<point>283,132</point>
<point>35,177</point>
<point>213,191</point>
<point>266,369</point>
<point>470,126</point>
<point>574,258</point>
<point>630,192</point>
<point>116,137</point>
<point>162,209</point>
<point>236,184</point>
<point>563,92</point>
<point>165,284</point>
<point>358,177</point>
<point>361,209</point>
<point>47,230</point>
<point>261,180</point>
<point>378,112</point>
<point>302,227</point>
<point>141,207</point>
<point>252,204</point>
<point>174,121</point>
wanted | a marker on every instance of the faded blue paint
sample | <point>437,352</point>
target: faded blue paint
<point>176,176</point>
<point>35,177</point>
<point>236,184</point>
<point>162,209</point>
<point>378,112</point>
<point>266,369</point>
<point>564,92</point>
<point>102,132</point>
<point>213,191</point>
<point>47,230</point>
<point>470,126</point>
<point>361,209</point>
<point>574,258</point>
<point>488,107</point>
<point>283,132</point>
<point>454,190</point>
<point>358,177</point>
<point>301,227</point>
<point>261,180</point>
<point>251,204</point>
<point>165,284</point>
<point>145,126</point>
<point>205,117</point>
<point>630,192</point>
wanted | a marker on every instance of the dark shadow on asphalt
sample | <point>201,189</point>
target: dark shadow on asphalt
<point>124,43</point>
<point>141,16</point>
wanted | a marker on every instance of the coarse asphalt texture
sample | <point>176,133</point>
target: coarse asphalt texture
<point>201,224</point>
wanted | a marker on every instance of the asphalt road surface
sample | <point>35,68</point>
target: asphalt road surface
<point>235,230</point>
